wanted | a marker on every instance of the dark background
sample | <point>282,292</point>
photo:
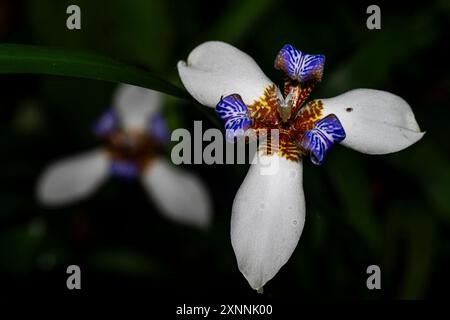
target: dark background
<point>391,210</point>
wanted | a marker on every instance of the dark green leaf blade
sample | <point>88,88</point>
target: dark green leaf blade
<point>16,58</point>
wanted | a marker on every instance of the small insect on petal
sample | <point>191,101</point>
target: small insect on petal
<point>322,137</point>
<point>375,121</point>
<point>298,65</point>
<point>234,113</point>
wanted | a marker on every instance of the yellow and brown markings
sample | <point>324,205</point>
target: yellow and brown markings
<point>301,92</point>
<point>264,110</point>
<point>308,116</point>
<point>291,132</point>
<point>133,146</point>
<point>265,116</point>
<point>282,145</point>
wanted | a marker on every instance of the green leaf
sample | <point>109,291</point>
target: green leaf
<point>348,175</point>
<point>19,246</point>
<point>412,235</point>
<point>435,180</point>
<point>384,53</point>
<point>15,58</point>
<point>142,31</point>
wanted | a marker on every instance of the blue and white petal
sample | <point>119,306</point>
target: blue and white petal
<point>181,196</point>
<point>106,124</point>
<point>375,122</point>
<point>268,216</point>
<point>298,65</point>
<point>326,132</point>
<point>72,179</point>
<point>135,106</point>
<point>215,69</point>
<point>233,112</point>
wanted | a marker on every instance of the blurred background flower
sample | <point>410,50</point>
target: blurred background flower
<point>133,134</point>
<point>393,211</point>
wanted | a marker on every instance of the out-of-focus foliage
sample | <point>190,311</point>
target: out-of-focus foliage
<point>23,59</point>
<point>391,210</point>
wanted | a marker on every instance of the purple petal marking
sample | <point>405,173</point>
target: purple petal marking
<point>124,169</point>
<point>234,113</point>
<point>326,132</point>
<point>298,65</point>
<point>157,129</point>
<point>106,124</point>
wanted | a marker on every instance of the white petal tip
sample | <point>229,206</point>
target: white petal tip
<point>254,277</point>
<point>202,220</point>
<point>413,137</point>
<point>409,138</point>
<point>375,122</point>
<point>136,105</point>
<point>267,219</point>
<point>181,64</point>
<point>260,290</point>
<point>45,198</point>
<point>72,179</point>
<point>180,195</point>
<point>215,69</point>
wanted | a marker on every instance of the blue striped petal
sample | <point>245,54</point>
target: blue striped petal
<point>322,137</point>
<point>298,65</point>
<point>106,124</point>
<point>233,111</point>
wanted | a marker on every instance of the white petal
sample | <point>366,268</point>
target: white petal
<point>73,178</point>
<point>181,196</point>
<point>215,69</point>
<point>375,122</point>
<point>136,105</point>
<point>267,219</point>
